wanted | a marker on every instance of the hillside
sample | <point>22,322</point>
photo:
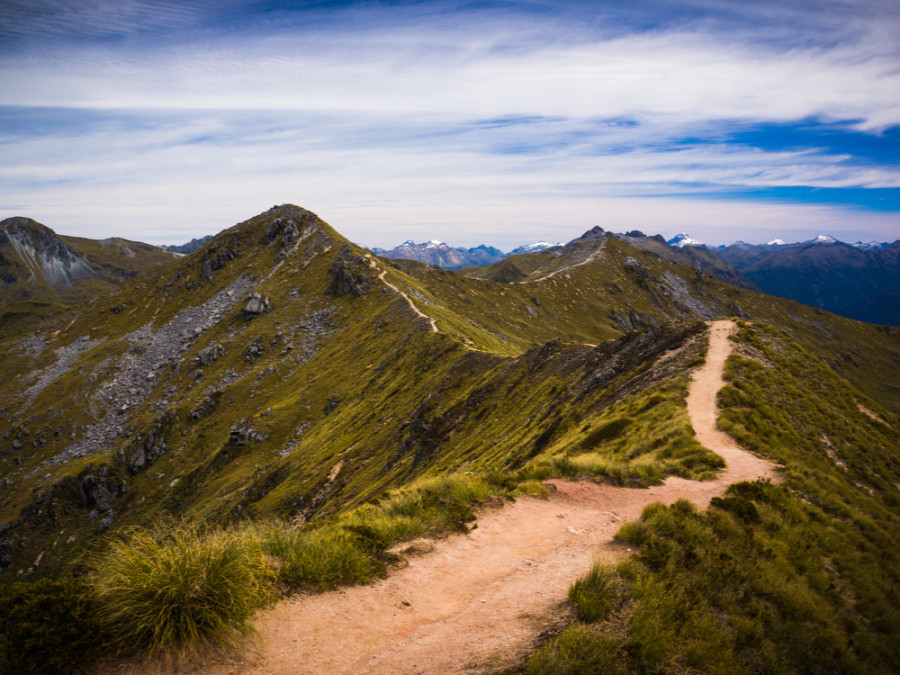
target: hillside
<point>848,280</point>
<point>283,373</point>
<point>41,271</point>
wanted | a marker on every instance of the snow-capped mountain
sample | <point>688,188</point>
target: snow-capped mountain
<point>824,239</point>
<point>776,242</point>
<point>534,248</point>
<point>870,245</point>
<point>436,252</point>
<point>684,239</point>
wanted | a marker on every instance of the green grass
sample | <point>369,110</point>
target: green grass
<point>637,441</point>
<point>323,558</point>
<point>801,577</point>
<point>184,588</point>
<point>50,626</point>
<point>595,594</point>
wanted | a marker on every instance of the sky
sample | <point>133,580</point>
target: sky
<point>482,122</point>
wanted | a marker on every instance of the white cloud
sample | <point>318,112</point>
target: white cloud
<point>386,123</point>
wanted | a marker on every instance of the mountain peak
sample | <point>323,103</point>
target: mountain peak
<point>824,239</point>
<point>684,239</point>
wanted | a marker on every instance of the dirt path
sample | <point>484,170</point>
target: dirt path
<point>475,602</point>
<point>409,301</point>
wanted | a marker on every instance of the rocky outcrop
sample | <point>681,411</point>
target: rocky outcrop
<point>349,273</point>
<point>216,257</point>
<point>256,304</point>
<point>45,255</point>
<point>208,355</point>
<point>145,450</point>
<point>243,432</point>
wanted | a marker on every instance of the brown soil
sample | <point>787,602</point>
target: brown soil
<point>476,602</point>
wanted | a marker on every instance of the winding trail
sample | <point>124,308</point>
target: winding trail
<point>475,603</point>
<point>431,323</point>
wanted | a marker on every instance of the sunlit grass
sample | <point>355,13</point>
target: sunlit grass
<point>183,588</point>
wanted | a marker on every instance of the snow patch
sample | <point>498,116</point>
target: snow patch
<point>684,239</point>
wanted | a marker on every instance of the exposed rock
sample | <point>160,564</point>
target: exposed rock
<point>349,273</point>
<point>254,349</point>
<point>215,258</point>
<point>45,253</point>
<point>208,355</point>
<point>287,230</point>
<point>256,304</point>
<point>207,405</point>
<point>65,357</point>
<point>634,265</point>
<point>98,491</point>
<point>145,451</point>
<point>107,521</point>
<point>242,433</point>
<point>162,347</point>
<point>736,310</point>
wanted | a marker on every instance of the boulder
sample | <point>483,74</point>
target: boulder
<point>208,355</point>
<point>256,304</point>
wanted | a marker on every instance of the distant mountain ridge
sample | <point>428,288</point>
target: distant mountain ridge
<point>859,280</point>
<point>189,247</point>
<point>454,258</point>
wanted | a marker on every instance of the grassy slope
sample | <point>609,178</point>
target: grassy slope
<point>800,577</point>
<point>369,398</point>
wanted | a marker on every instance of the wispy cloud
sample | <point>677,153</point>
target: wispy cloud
<point>403,120</point>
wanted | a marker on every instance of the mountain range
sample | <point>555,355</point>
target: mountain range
<point>860,281</point>
<point>282,373</point>
<point>453,258</point>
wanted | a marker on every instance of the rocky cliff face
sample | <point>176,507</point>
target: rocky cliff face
<point>46,259</point>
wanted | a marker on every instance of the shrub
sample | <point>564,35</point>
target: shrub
<point>185,589</point>
<point>325,558</point>
<point>596,593</point>
<point>49,627</point>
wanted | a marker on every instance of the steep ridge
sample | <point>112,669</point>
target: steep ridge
<point>472,602</point>
<point>276,373</point>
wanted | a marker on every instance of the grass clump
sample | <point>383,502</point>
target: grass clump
<point>50,626</point>
<point>183,589</point>
<point>595,594</point>
<point>323,558</point>
<point>580,650</point>
<point>429,505</point>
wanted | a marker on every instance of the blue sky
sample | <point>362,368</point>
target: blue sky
<point>471,122</point>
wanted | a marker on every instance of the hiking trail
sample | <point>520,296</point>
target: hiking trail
<point>473,603</point>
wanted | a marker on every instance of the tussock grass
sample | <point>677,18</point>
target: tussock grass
<point>595,594</point>
<point>581,649</point>
<point>320,559</point>
<point>184,588</point>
